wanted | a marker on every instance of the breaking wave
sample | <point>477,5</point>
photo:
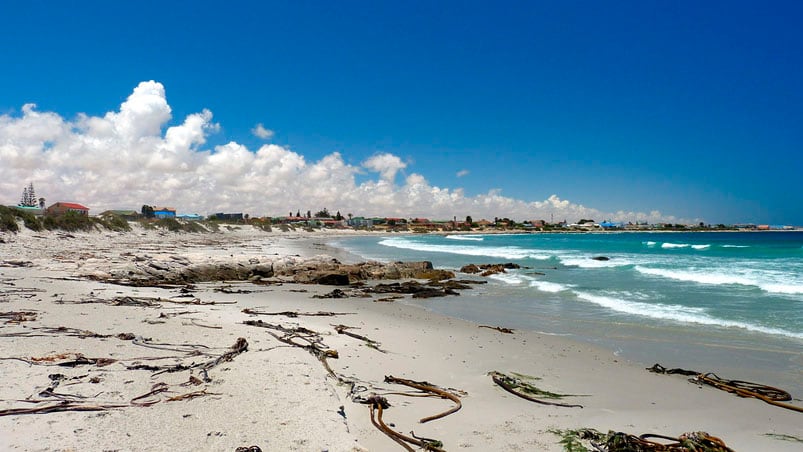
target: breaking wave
<point>762,281</point>
<point>505,252</point>
<point>684,314</point>
<point>470,238</point>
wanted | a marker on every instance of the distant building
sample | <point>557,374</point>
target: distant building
<point>60,208</point>
<point>190,217</point>
<point>36,211</point>
<point>128,215</point>
<point>610,225</point>
<point>228,216</point>
<point>164,212</point>
<point>361,222</point>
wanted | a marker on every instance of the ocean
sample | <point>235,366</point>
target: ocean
<point>723,302</point>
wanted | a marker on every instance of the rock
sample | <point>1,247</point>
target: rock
<point>489,269</point>
<point>601,258</point>
<point>262,270</point>
<point>158,266</point>
<point>331,279</point>
<point>337,293</point>
<point>433,275</point>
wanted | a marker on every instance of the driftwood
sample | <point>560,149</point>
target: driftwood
<point>343,329</point>
<point>240,346</point>
<point>626,442</point>
<point>58,407</point>
<point>311,341</point>
<point>18,316</point>
<point>431,389</point>
<point>520,389</point>
<point>768,394</point>
<point>498,328</point>
<point>294,314</point>
<point>378,404</point>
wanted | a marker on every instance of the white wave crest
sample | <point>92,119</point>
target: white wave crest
<point>668,245</point>
<point>684,314</point>
<point>505,252</point>
<point>707,277</point>
<point>548,286</point>
<point>510,278</point>
<point>720,277</point>
<point>539,284</point>
<point>471,238</point>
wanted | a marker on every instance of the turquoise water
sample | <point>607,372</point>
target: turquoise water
<point>718,300</point>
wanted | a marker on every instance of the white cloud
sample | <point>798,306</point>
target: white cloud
<point>463,172</point>
<point>132,157</point>
<point>260,131</point>
<point>385,164</point>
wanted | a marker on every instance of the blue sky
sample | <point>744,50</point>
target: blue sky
<point>693,109</point>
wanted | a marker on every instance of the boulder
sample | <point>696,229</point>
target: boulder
<point>331,278</point>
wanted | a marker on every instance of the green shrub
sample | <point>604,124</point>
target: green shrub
<point>8,222</point>
<point>70,222</point>
<point>113,222</point>
<point>10,215</point>
<point>173,225</point>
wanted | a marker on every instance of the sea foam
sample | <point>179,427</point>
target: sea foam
<point>470,238</point>
<point>504,252</point>
<point>766,281</point>
<point>683,314</point>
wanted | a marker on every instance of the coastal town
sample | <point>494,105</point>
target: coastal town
<point>171,218</point>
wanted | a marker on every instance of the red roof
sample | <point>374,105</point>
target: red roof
<point>72,205</point>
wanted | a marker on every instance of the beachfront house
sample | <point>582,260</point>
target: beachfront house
<point>61,208</point>
<point>164,212</point>
<point>608,225</point>
<point>128,215</point>
<point>361,222</point>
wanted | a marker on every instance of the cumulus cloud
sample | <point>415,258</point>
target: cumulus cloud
<point>133,156</point>
<point>260,131</point>
<point>463,172</point>
<point>387,165</point>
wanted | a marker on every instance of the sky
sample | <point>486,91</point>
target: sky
<point>627,111</point>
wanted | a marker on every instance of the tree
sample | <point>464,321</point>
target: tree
<point>323,213</point>
<point>469,220</point>
<point>338,217</point>
<point>309,214</point>
<point>298,213</point>
<point>28,198</point>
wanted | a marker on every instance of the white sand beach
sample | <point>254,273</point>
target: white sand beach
<point>163,368</point>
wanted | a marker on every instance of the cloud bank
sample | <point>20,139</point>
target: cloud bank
<point>132,157</point>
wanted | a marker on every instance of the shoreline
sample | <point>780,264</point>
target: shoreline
<point>281,398</point>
